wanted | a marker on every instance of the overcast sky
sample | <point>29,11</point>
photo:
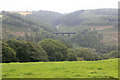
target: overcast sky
<point>62,6</point>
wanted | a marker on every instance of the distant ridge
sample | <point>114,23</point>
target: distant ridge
<point>21,12</point>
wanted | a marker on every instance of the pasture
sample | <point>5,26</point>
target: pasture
<point>66,69</point>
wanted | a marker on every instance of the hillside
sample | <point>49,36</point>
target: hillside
<point>15,26</point>
<point>98,17</point>
<point>42,24</point>
<point>47,17</point>
<point>102,20</point>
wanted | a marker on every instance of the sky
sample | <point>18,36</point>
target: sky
<point>62,6</point>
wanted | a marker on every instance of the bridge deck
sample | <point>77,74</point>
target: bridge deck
<point>65,33</point>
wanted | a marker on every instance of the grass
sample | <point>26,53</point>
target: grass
<point>65,69</point>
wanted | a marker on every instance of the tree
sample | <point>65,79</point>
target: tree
<point>56,51</point>
<point>28,51</point>
<point>72,55</point>
<point>87,54</point>
<point>88,38</point>
<point>8,54</point>
<point>112,54</point>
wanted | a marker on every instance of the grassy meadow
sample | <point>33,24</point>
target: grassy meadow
<point>66,69</point>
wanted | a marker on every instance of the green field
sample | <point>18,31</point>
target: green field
<point>65,69</point>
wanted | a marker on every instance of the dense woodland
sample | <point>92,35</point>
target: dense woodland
<point>30,38</point>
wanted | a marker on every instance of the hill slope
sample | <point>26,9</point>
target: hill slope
<point>15,25</point>
<point>103,20</point>
<point>98,17</point>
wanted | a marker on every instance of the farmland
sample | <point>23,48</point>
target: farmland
<point>64,69</point>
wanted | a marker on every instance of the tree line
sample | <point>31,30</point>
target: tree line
<point>47,50</point>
